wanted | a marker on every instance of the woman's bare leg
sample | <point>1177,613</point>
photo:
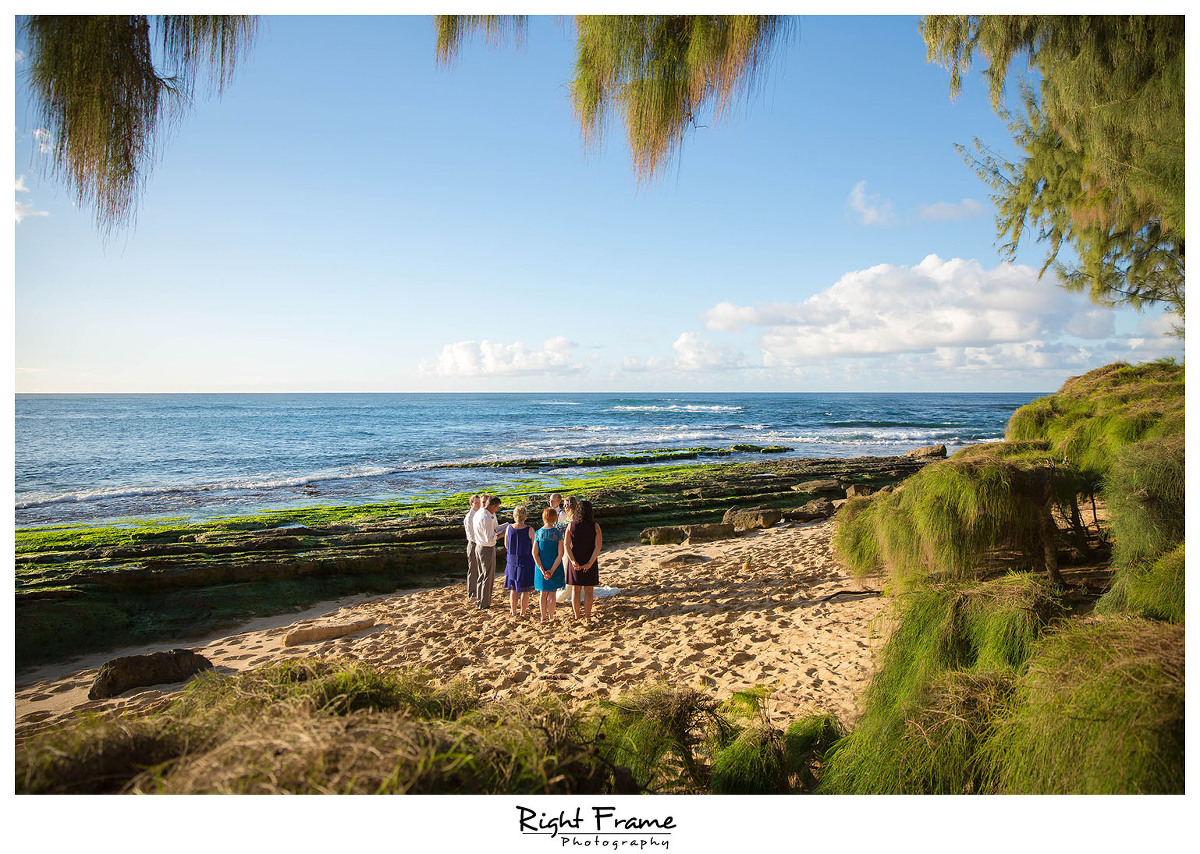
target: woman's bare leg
<point>512,601</point>
<point>587,601</point>
<point>576,592</point>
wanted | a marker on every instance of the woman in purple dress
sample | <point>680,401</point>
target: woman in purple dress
<point>583,549</point>
<point>519,566</point>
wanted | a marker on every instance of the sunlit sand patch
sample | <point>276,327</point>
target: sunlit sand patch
<point>722,616</point>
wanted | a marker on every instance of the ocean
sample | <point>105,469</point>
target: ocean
<point>92,458</point>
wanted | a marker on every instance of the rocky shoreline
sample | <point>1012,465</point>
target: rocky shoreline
<point>171,581</point>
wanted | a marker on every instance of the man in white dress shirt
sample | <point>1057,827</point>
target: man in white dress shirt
<point>472,557</point>
<point>487,534</point>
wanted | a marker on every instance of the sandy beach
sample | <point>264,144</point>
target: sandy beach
<point>769,607</point>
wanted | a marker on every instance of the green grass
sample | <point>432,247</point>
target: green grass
<point>655,730</point>
<point>752,764</point>
<point>1153,589</point>
<point>338,726</point>
<point>1100,710</point>
<point>952,648</point>
<point>1095,415</point>
<point>805,743</point>
<point>1144,491</point>
<point>320,727</point>
<point>947,520</point>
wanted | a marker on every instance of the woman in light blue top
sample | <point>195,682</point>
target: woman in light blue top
<point>548,555</point>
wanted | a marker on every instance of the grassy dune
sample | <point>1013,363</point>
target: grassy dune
<point>993,684</point>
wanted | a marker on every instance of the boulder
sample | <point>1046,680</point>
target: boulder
<point>132,671</point>
<point>828,485</point>
<point>928,452</point>
<point>308,634</point>
<point>664,535</point>
<point>818,508</point>
<point>858,489</point>
<point>757,517</point>
<point>707,533</point>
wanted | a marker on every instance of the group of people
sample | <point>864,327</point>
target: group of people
<point>562,554</point>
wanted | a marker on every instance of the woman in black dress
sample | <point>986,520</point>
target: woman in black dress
<point>582,550</point>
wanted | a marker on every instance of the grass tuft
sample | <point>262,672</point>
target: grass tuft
<point>952,647</point>
<point>1144,491</point>
<point>1099,711</point>
<point>950,519</point>
<point>1151,589</point>
<point>314,726</point>
<point>654,731</point>
<point>752,764</point>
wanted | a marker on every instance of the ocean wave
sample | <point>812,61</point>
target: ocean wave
<point>261,483</point>
<point>675,407</point>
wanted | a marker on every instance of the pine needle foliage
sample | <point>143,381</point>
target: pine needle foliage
<point>1144,492</point>
<point>105,87</point>
<point>655,730</point>
<point>316,726</point>
<point>453,30</point>
<point>1095,415</point>
<point>752,764</point>
<point>1101,138</point>
<point>1100,710</point>
<point>805,743</point>
<point>952,652</point>
<point>945,522</point>
<point>657,75</point>
<point>1151,589</point>
<point>328,686</point>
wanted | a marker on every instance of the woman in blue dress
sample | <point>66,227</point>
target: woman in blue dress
<point>519,566</point>
<point>548,556</point>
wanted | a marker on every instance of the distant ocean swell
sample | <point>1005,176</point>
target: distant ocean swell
<point>99,457</point>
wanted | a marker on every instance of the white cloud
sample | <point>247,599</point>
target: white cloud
<point>1150,326</point>
<point>25,209</point>
<point>42,136</point>
<point>1095,323</point>
<point>20,56</point>
<point>693,353</point>
<point>487,358</point>
<point>946,313</point>
<point>871,210</point>
<point>966,209</point>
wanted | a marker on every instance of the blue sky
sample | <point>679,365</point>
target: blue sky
<point>350,216</point>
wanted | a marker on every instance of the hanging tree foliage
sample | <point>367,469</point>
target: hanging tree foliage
<point>103,93</point>
<point>1101,136</point>
<point>656,73</point>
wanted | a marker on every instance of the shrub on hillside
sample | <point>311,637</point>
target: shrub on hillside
<point>1093,416</point>
<point>1144,491</point>
<point>950,519</point>
<point>952,648</point>
<point>1100,710</point>
<point>1151,589</point>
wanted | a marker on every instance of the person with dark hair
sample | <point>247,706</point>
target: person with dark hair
<point>583,542</point>
<point>519,565</point>
<point>548,556</point>
<point>570,505</point>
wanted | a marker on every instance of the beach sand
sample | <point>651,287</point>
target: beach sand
<point>720,616</point>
